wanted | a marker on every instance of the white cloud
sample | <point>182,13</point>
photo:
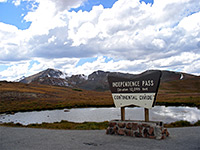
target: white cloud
<point>191,24</point>
<point>185,58</point>
<point>12,44</point>
<point>134,28</point>
<point>16,2</point>
<point>164,35</point>
<point>51,39</point>
<point>194,67</point>
<point>102,64</point>
<point>14,71</point>
<point>159,43</point>
<point>44,18</point>
<point>62,5</point>
<point>2,1</point>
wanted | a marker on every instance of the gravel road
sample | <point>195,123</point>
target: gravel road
<point>12,138</point>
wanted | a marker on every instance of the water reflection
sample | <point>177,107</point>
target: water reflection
<point>171,114</point>
<point>158,113</point>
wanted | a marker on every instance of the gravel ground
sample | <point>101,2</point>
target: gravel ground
<point>12,138</point>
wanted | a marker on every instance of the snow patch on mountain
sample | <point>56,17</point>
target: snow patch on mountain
<point>84,77</point>
<point>181,76</point>
<point>64,76</point>
<point>18,80</point>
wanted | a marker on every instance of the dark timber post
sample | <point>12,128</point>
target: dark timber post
<point>122,113</point>
<point>146,112</point>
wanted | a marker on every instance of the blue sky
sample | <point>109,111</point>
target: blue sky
<point>12,14</point>
<point>87,35</point>
<point>87,6</point>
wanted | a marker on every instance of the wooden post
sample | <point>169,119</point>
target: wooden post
<point>122,113</point>
<point>146,112</point>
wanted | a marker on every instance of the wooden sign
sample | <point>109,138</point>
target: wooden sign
<point>139,90</point>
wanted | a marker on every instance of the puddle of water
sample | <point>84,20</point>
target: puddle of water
<point>158,113</point>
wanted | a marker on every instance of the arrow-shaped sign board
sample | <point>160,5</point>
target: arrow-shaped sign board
<point>139,90</point>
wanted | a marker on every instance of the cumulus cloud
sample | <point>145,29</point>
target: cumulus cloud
<point>1,1</point>
<point>107,64</point>
<point>16,2</point>
<point>13,44</point>
<point>62,5</point>
<point>164,35</point>
<point>133,36</point>
<point>134,28</point>
<point>18,44</point>
<point>16,70</point>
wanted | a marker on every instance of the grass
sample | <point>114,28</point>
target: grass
<point>181,92</point>
<point>181,123</point>
<point>89,125</point>
<point>64,125</point>
<point>15,97</point>
<point>19,97</point>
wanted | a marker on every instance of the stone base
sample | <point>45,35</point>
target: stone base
<point>152,130</point>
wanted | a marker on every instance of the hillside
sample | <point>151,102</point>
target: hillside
<point>26,97</point>
<point>180,92</point>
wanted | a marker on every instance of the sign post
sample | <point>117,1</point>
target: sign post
<point>139,90</point>
<point>123,113</point>
<point>146,114</point>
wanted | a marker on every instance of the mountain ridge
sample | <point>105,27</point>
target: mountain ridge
<point>95,81</point>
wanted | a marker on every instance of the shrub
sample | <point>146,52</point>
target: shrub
<point>79,90</point>
<point>197,123</point>
<point>180,123</point>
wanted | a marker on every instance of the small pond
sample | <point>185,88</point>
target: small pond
<point>158,113</point>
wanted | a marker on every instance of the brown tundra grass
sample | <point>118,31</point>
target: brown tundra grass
<point>16,97</point>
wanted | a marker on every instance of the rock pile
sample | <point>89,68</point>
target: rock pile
<point>152,130</point>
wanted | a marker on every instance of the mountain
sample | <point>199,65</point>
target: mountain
<point>48,77</point>
<point>96,81</point>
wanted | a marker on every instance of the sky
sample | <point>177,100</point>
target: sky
<point>82,36</point>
